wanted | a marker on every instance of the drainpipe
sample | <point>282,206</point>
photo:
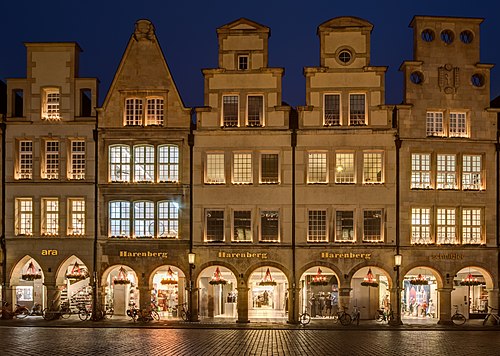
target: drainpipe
<point>293,143</point>
<point>3,128</point>
<point>193,317</point>
<point>95,279</point>
<point>397,143</point>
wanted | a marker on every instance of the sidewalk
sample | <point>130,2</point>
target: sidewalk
<point>220,323</point>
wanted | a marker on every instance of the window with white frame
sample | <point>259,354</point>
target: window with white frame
<point>317,167</point>
<point>51,160</point>
<point>144,163</point>
<point>24,217</point>
<point>242,226</point>
<point>119,163</point>
<point>155,112</point>
<point>446,226</point>
<point>144,219</point>
<point>372,226</point>
<point>269,226</point>
<point>344,226</point>
<point>215,169</point>
<point>50,217</point>
<point>255,110</point>
<point>230,110</point>
<point>420,171</point>
<point>434,123</point>
<point>119,218</point>
<point>446,172</point>
<point>168,163</point>
<point>133,112</point>
<point>242,168</point>
<point>471,226</point>
<point>317,226</point>
<point>269,168</point>
<point>357,111</point>
<point>214,225</point>
<point>421,226</point>
<point>25,164</point>
<point>77,160</point>
<point>331,110</point>
<point>372,167</point>
<point>458,124</point>
<point>168,219</point>
<point>344,168</point>
<point>51,104</point>
<point>243,62</point>
<point>471,172</point>
<point>76,221</point>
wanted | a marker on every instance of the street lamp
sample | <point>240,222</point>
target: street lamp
<point>191,260</point>
<point>398,259</point>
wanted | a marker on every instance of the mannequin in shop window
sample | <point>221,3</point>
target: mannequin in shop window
<point>328,306</point>
<point>312,303</point>
<point>321,303</point>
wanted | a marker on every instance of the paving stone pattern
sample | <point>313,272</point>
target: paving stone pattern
<point>27,341</point>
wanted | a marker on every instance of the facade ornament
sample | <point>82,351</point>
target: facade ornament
<point>448,78</point>
<point>144,30</point>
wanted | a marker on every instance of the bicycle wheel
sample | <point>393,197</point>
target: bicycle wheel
<point>458,319</point>
<point>65,313</point>
<point>185,315</point>
<point>23,313</point>
<point>110,312</point>
<point>155,315</point>
<point>83,314</point>
<point>47,314</point>
<point>304,319</point>
<point>379,317</point>
<point>486,319</point>
<point>356,317</point>
<point>345,319</point>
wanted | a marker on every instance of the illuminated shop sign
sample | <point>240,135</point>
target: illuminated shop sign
<point>261,255</point>
<point>159,254</point>
<point>447,256</point>
<point>347,255</point>
<point>49,252</point>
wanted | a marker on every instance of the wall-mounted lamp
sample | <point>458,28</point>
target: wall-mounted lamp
<point>397,260</point>
<point>191,258</point>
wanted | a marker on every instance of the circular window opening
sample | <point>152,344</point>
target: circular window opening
<point>477,80</point>
<point>447,36</point>
<point>416,77</point>
<point>428,35</point>
<point>345,56</point>
<point>466,36</point>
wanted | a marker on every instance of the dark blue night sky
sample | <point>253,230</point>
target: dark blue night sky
<point>187,34</point>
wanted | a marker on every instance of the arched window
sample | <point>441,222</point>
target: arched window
<point>119,218</point>
<point>119,163</point>
<point>144,163</point>
<point>168,163</point>
<point>144,219</point>
<point>168,219</point>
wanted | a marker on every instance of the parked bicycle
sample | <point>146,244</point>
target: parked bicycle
<point>52,313</point>
<point>20,311</point>
<point>458,318</point>
<point>146,315</point>
<point>492,313</point>
<point>356,315</point>
<point>36,310</point>
<point>304,318</point>
<point>382,315</point>
<point>183,312</point>
<point>343,316</point>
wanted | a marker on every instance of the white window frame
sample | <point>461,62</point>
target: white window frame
<point>434,123</point>
<point>317,225</point>
<point>369,230</point>
<point>168,163</point>
<point>242,232</point>
<point>51,159</point>
<point>458,124</point>
<point>446,226</point>
<point>144,163</point>
<point>215,170</point>
<point>242,168</point>
<point>332,119</point>
<point>317,167</point>
<point>268,215</point>
<point>76,216</point>
<point>144,219</point>
<point>25,160</point>
<point>51,108</point>
<point>155,111</point>
<point>472,166</point>
<point>120,214</point>
<point>134,111</point>
<point>269,179</point>
<point>77,160</point>
<point>222,229</point>
<point>24,217</point>
<point>120,163</point>
<point>345,233</point>
<point>421,226</point>
<point>373,167</point>
<point>168,219</point>
<point>50,217</point>
<point>261,114</point>
<point>472,226</point>
<point>446,176</point>
<point>230,121</point>
<point>421,171</point>
<point>354,120</point>
<point>345,167</point>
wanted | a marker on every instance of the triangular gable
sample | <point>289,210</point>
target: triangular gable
<point>345,22</point>
<point>243,24</point>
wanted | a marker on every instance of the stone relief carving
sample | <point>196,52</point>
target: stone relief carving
<point>144,31</point>
<point>448,78</point>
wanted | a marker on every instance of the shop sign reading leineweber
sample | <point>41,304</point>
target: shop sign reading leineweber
<point>159,254</point>
<point>346,255</point>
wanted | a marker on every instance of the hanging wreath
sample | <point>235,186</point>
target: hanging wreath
<point>122,277</point>
<point>369,280</point>
<point>419,281</point>
<point>217,278</point>
<point>31,273</point>
<point>170,278</point>
<point>318,279</point>
<point>77,272</point>
<point>267,280</point>
<point>470,281</point>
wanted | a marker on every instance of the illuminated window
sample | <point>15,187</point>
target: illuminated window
<point>243,62</point>
<point>144,219</point>
<point>344,168</point>
<point>255,110</point>
<point>51,162</point>
<point>168,163</point>
<point>50,217</point>
<point>372,226</point>
<point>421,226</point>
<point>317,227</point>
<point>119,219</point>
<point>51,102</point>
<point>155,112</point>
<point>332,110</point>
<point>471,172</point>
<point>420,171</point>
<point>242,226</point>
<point>144,163</point>
<point>458,124</point>
<point>446,226</point>
<point>76,221</point>
<point>25,163</point>
<point>269,168</point>
<point>471,227</point>
<point>168,220</point>
<point>269,226</point>
<point>214,225</point>
<point>133,112</point>
<point>434,123</point>
<point>24,217</point>
<point>372,168</point>
<point>215,169</point>
<point>242,168</point>
<point>317,167</point>
<point>77,160</point>
<point>344,226</point>
<point>446,172</point>
<point>230,110</point>
<point>119,163</point>
<point>357,114</point>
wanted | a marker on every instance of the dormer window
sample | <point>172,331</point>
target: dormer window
<point>51,101</point>
<point>147,111</point>
<point>243,62</point>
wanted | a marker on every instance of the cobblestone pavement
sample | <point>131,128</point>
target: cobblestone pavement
<point>26,341</point>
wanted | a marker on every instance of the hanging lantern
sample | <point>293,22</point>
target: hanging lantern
<point>470,281</point>
<point>419,281</point>
<point>267,280</point>
<point>217,278</point>
<point>31,273</point>
<point>319,279</point>
<point>77,272</point>
<point>122,277</point>
<point>369,280</point>
<point>170,279</point>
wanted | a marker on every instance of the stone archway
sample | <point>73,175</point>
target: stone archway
<point>167,287</point>
<point>121,288</point>
<point>372,289</point>
<point>27,283</point>
<point>218,292</point>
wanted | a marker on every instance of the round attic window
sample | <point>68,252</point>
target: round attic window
<point>427,35</point>
<point>417,77</point>
<point>466,36</point>
<point>447,36</point>
<point>477,80</point>
<point>345,56</point>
